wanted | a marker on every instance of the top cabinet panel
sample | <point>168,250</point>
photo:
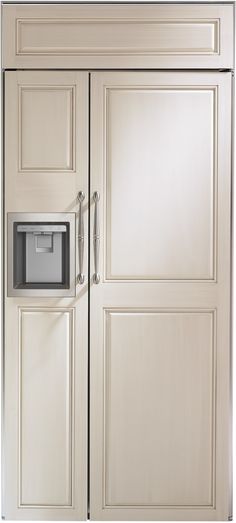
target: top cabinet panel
<point>118,36</point>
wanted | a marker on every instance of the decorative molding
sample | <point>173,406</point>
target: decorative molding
<point>71,115</point>
<point>108,277</point>
<point>83,48</point>
<point>144,311</point>
<point>22,311</point>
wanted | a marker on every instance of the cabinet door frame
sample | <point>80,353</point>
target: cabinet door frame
<point>111,296</point>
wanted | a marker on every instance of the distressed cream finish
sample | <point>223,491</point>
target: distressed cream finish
<point>160,359</point>
<point>118,36</point>
<point>46,339</point>
<point>46,140</point>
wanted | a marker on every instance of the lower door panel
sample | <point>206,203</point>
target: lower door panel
<point>159,405</point>
<point>45,431</point>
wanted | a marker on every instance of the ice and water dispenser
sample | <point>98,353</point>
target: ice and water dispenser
<point>41,254</point>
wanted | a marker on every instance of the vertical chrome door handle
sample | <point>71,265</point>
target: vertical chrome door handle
<point>80,198</point>
<point>96,237</point>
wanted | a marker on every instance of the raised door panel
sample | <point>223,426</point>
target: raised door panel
<point>45,410</point>
<point>46,403</point>
<point>81,38</point>
<point>160,360</point>
<point>45,140</point>
<point>170,184</point>
<point>46,129</point>
<point>159,402</point>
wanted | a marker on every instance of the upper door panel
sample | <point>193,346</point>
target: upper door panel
<point>118,36</point>
<point>46,139</point>
<point>177,124</point>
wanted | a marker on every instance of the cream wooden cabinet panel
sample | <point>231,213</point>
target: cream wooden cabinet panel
<point>160,392</point>
<point>39,407</point>
<point>45,414</point>
<point>160,360</point>
<point>46,138</point>
<point>177,126</point>
<point>198,35</point>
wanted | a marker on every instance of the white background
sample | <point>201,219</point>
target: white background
<point>234,262</point>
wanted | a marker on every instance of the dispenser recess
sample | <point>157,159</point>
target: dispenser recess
<point>41,254</point>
